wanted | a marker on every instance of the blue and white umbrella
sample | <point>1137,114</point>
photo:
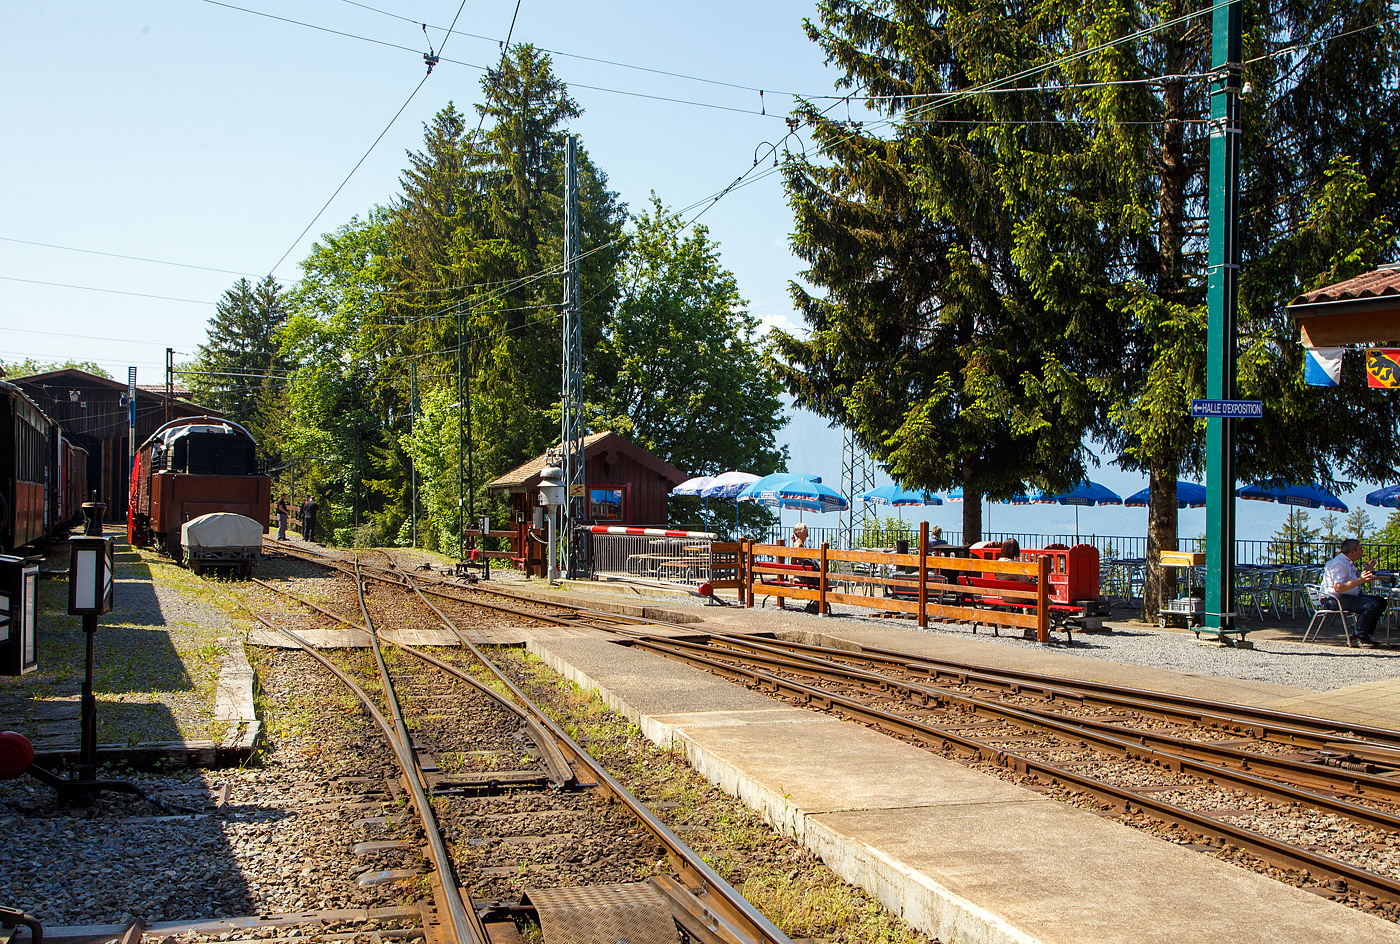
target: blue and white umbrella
<point>728,484</point>
<point>808,496</point>
<point>1302,496</point>
<point>764,490</point>
<point>898,497</point>
<point>691,487</point>
<point>1085,494</point>
<point>1188,495</point>
<point>1388,497</point>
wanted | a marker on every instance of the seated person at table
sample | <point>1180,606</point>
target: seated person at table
<point>1341,581</point>
<point>1011,550</point>
<point>799,539</point>
<point>935,537</point>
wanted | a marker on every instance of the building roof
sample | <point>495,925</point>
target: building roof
<point>72,375</point>
<point>1361,310</point>
<point>1373,284</point>
<point>527,475</point>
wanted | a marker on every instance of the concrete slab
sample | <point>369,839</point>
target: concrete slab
<point>1371,703</point>
<point>961,856</point>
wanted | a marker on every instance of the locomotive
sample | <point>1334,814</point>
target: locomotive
<point>194,466</point>
<point>43,473</point>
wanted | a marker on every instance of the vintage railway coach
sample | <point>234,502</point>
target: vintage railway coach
<point>190,467</point>
<point>43,475</point>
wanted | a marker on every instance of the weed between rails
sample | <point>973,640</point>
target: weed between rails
<point>786,882</point>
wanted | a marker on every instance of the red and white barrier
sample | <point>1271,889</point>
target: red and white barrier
<point>654,532</point>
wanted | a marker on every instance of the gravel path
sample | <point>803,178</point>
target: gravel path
<point>1312,667</point>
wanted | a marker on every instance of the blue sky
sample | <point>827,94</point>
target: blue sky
<point>190,132</point>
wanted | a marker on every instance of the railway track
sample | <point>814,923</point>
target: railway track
<point>428,728</point>
<point>1317,800</point>
<point>1237,778</point>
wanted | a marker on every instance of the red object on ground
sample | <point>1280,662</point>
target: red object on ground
<point>705,590</point>
<point>16,755</point>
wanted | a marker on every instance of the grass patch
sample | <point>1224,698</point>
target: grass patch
<point>793,888</point>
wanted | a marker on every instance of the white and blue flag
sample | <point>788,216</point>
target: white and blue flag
<point>1323,366</point>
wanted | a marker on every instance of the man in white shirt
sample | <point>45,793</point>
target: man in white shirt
<point>1340,580</point>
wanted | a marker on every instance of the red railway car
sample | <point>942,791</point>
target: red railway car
<point>43,475</point>
<point>189,467</point>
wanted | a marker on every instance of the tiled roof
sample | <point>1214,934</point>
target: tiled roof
<point>527,474</point>
<point>1373,284</point>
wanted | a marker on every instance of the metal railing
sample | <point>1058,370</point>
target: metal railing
<point>673,561</point>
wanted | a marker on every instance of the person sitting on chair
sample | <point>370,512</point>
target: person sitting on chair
<point>1341,581</point>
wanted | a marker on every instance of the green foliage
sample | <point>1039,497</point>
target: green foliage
<point>884,532</point>
<point>1005,272</point>
<point>685,369</point>
<point>1295,542</point>
<point>1389,533</point>
<point>1359,524</point>
<point>13,370</point>
<point>239,370</point>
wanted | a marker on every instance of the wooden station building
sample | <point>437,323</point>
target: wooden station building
<point>90,410</point>
<point>625,486</point>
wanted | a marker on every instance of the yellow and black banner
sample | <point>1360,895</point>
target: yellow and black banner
<point>1383,367</point>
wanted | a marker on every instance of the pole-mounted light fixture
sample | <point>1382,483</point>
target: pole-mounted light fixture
<point>90,568</point>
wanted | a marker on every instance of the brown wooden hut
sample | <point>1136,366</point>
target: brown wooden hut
<point>625,486</point>
<point>90,410</point>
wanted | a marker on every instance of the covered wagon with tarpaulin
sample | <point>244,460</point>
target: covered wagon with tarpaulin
<point>624,486</point>
<point>221,539</point>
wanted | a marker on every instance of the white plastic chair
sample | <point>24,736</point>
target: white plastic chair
<point>1325,605</point>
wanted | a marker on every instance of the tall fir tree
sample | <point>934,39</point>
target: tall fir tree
<point>1079,190</point>
<point>240,370</point>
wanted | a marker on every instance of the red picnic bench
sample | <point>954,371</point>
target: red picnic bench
<point>1060,613</point>
<point>782,574</point>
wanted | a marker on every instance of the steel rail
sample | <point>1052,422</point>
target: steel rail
<point>561,774</point>
<point>737,913</point>
<point>465,925</point>
<point>723,915</point>
<point>1265,722</point>
<point>1305,772</point>
<point>1106,737</point>
<point>1272,850</point>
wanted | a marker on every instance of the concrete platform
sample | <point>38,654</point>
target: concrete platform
<point>959,855</point>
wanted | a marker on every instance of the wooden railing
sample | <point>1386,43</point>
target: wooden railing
<point>926,586</point>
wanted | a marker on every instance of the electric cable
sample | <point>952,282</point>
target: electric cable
<point>362,159</point>
<point>117,255</point>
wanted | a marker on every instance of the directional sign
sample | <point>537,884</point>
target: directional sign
<point>1228,409</point>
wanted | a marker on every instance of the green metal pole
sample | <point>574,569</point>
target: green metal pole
<point>1222,300</point>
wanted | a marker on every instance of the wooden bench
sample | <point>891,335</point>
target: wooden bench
<point>782,574</point>
<point>1023,597</point>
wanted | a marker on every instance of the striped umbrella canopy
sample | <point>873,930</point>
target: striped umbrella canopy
<point>692,487</point>
<point>1303,496</point>
<point>807,496</point>
<point>728,484</point>
<point>764,489</point>
<point>895,495</point>
<point>1388,497</point>
<point>1188,495</point>
<point>1085,494</point>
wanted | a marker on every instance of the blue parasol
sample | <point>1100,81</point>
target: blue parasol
<point>1303,496</point>
<point>1188,495</point>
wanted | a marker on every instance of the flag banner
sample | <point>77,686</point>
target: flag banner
<point>1322,366</point>
<point>1383,367</point>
